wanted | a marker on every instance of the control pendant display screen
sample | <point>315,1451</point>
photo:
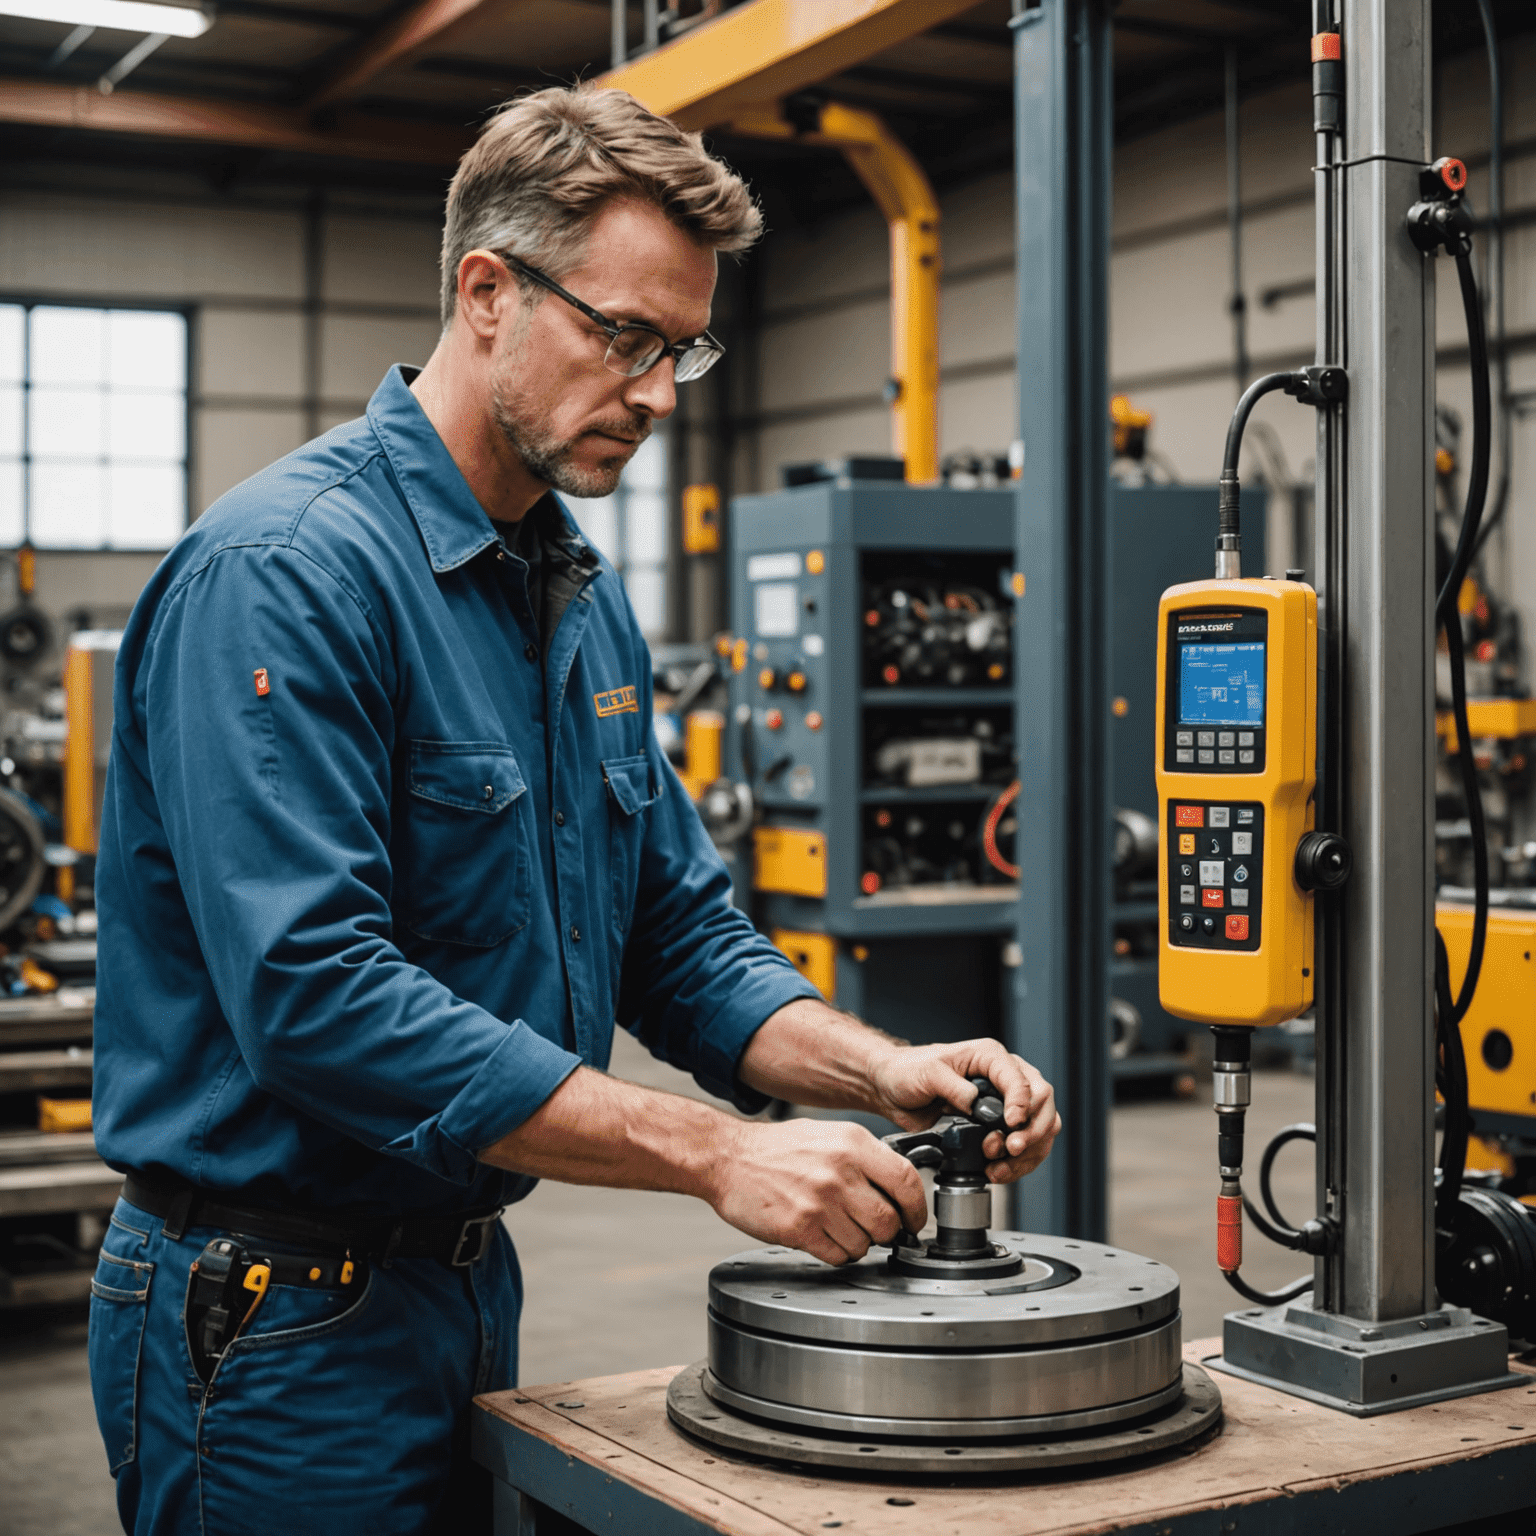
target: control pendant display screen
<point>1221,684</point>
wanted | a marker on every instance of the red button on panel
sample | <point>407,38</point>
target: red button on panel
<point>1237,926</point>
<point>1213,898</point>
<point>1189,815</point>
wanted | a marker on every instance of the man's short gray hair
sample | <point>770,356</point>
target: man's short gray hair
<point>547,163</point>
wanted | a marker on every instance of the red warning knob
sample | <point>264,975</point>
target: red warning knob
<point>1453,173</point>
<point>869,882</point>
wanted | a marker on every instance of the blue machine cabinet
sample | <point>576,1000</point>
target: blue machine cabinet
<point>875,742</point>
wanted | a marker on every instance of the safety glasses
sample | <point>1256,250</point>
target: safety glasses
<point>633,348</point>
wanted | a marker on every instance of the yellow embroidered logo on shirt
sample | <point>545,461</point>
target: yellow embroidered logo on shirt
<point>617,701</point>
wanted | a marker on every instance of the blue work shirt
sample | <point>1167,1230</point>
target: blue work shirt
<point>377,871</point>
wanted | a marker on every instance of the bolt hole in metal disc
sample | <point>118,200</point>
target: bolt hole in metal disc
<point>1196,1412</point>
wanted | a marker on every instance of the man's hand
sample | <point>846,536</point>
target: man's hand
<point>826,1187</point>
<point>915,1085</point>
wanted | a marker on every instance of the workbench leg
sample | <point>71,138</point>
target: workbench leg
<point>511,1511</point>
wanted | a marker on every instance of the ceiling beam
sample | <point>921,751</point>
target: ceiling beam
<point>394,42</point>
<point>45,104</point>
<point>766,49</point>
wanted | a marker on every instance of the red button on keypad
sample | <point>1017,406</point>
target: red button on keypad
<point>1237,926</point>
<point>1189,815</point>
<point>1213,899</point>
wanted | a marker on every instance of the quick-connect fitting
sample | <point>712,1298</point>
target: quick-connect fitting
<point>1231,1093</point>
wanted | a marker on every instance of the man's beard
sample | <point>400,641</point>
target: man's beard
<point>551,459</point>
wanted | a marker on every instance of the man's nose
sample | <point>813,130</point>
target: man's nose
<point>654,392</point>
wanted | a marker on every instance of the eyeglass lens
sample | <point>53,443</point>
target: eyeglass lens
<point>634,351</point>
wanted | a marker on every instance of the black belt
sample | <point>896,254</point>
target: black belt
<point>458,1240</point>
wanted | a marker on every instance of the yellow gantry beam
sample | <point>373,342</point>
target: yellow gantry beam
<point>731,71</point>
<point>765,49</point>
<point>904,195</point>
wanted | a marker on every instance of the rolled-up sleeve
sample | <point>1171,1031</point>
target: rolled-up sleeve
<point>698,979</point>
<point>266,700</point>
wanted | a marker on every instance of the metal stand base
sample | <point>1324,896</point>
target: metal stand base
<point>691,1408</point>
<point>1364,1368</point>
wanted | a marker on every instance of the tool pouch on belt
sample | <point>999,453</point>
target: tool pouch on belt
<point>228,1282</point>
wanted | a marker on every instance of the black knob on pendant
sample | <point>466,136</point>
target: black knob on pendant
<point>1323,861</point>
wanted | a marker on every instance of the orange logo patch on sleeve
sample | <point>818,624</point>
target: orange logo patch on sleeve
<point>617,701</point>
<point>263,684</point>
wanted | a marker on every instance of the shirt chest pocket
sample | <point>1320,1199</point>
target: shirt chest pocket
<point>629,793</point>
<point>462,864</point>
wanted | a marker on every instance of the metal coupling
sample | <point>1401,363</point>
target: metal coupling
<point>964,1207</point>
<point>1231,1086</point>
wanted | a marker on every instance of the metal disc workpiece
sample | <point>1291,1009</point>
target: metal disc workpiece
<point>1196,1412</point>
<point>1075,1339</point>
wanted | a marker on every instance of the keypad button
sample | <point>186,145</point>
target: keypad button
<point>1186,842</point>
<point>1245,738</point>
<point>1189,815</point>
<point>1212,872</point>
<point>1208,924</point>
<point>1220,816</point>
<point>1186,871</point>
<point>1187,922</point>
<point>1187,755</point>
<point>1207,757</point>
<point>1187,895</point>
<point>1237,927</point>
<point>1213,898</point>
<point>1239,874</point>
<point>1239,896</point>
<point>1227,739</point>
<point>1245,758</point>
<point>1245,818</point>
<point>1227,758</point>
<point>1242,842</point>
<point>1206,739</point>
<point>1213,846</point>
<point>1183,738</point>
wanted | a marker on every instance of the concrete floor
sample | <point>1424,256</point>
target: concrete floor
<point>616,1281</point>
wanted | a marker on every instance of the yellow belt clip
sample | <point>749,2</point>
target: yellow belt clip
<point>257,1278</point>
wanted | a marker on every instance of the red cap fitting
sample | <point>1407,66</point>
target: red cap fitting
<point>1229,1233</point>
<point>1453,173</point>
<point>1326,45</point>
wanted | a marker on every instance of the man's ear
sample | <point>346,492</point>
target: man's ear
<point>485,289</point>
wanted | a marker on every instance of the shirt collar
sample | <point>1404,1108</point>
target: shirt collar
<point>453,525</point>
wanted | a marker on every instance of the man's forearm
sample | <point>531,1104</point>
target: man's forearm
<point>811,1054</point>
<point>595,1129</point>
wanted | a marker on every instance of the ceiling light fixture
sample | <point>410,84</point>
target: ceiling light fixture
<point>121,15</point>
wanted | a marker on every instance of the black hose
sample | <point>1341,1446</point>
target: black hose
<point>1472,792</point>
<point>1301,1131</point>
<point>1268,1298</point>
<point>1496,231</point>
<point>1482,413</point>
<point>1227,507</point>
<point>1452,1072</point>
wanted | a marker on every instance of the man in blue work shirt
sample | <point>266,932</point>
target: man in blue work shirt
<point>388,846</point>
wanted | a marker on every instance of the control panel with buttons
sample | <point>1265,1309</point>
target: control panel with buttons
<point>1236,770</point>
<point>1216,881</point>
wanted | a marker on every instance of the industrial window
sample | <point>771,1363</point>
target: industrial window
<point>93,427</point>
<point>630,527</point>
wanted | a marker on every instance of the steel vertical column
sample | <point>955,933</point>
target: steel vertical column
<point>1381,1112</point>
<point>1063,95</point>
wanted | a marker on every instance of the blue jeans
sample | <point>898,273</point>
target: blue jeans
<point>334,1411</point>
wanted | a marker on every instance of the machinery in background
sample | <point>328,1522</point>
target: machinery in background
<point>871,722</point>
<point>55,1192</point>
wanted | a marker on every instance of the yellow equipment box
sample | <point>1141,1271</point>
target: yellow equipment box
<point>1236,770</point>
<point>1499,1031</point>
<point>789,860</point>
<point>814,955</point>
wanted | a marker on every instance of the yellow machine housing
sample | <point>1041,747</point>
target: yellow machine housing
<point>814,955</point>
<point>1499,1031</point>
<point>791,860</point>
<point>1236,770</point>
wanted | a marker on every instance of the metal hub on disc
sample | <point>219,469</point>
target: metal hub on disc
<point>1071,1355</point>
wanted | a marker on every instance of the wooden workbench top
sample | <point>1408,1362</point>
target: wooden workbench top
<point>1271,1447</point>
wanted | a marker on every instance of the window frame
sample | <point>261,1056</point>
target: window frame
<point>29,301</point>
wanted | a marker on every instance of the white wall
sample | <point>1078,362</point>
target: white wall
<point>246,272</point>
